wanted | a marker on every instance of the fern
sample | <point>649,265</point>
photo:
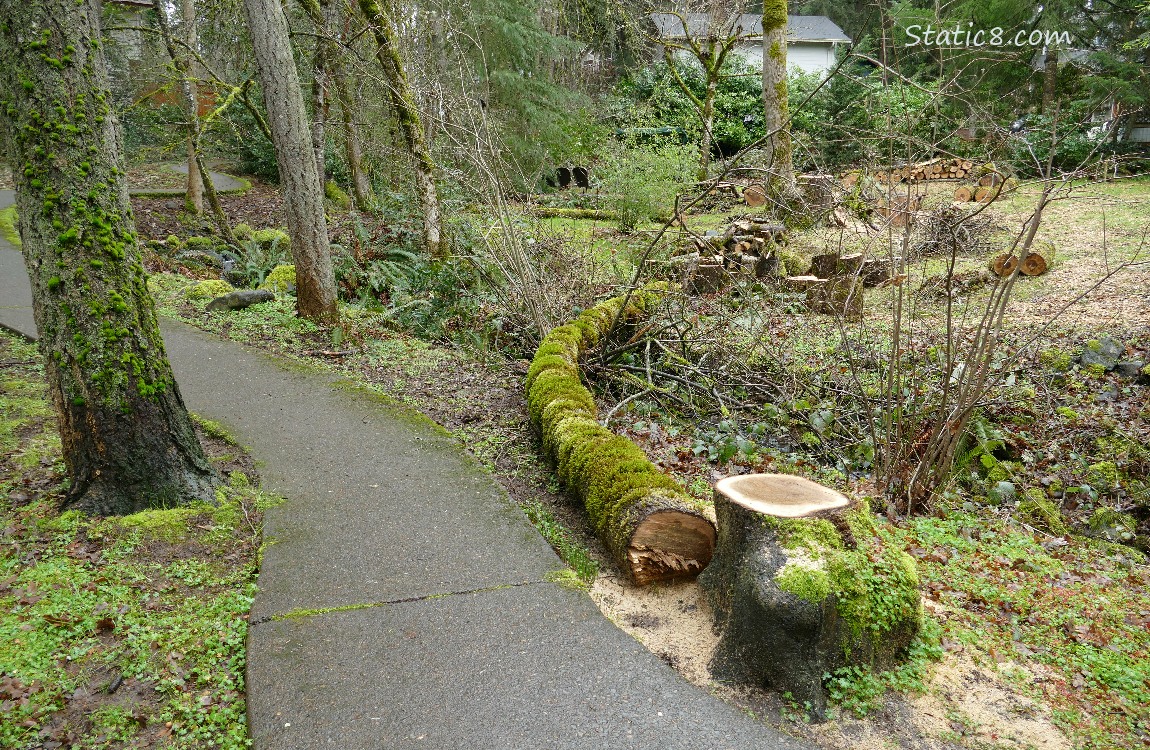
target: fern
<point>978,444</point>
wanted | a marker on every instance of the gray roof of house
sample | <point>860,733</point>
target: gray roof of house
<point>799,28</point>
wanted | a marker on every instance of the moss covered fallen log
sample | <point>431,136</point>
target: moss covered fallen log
<point>555,212</point>
<point>654,529</point>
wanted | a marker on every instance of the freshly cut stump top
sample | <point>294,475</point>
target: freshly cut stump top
<point>780,495</point>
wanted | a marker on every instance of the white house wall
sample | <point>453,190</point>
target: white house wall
<point>809,57</point>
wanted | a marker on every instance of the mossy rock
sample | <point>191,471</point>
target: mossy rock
<point>792,263</point>
<point>280,279</point>
<point>269,237</point>
<point>626,496</point>
<point>337,195</point>
<point>209,289</point>
<point>1112,526</point>
<point>1039,511</point>
<point>1056,359</point>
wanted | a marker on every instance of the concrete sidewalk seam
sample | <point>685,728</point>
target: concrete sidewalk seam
<point>301,613</point>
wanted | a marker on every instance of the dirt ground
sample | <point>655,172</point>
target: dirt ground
<point>972,700</point>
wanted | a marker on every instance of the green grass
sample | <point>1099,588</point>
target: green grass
<point>154,604</point>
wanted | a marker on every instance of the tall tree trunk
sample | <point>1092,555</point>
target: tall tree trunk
<point>303,192</point>
<point>403,104</point>
<point>360,182</point>
<point>127,440</point>
<point>1049,81</point>
<point>775,109</point>
<point>195,193</point>
<point>708,117</point>
<point>320,67</point>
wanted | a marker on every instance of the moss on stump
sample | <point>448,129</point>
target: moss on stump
<point>802,585</point>
<point>654,529</point>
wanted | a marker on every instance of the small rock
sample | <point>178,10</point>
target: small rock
<point>173,205</point>
<point>241,299</point>
<point>1104,352</point>
<point>205,258</point>
<point>1130,369</point>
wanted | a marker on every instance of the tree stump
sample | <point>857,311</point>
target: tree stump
<point>824,265</point>
<point>797,593</point>
<point>841,295</point>
<point>707,277</point>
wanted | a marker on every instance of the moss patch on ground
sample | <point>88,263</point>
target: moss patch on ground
<point>8,225</point>
<point>117,632</point>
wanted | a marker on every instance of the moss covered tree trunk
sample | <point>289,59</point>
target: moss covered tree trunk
<point>127,440</point>
<point>775,110</point>
<point>291,136</point>
<point>402,100</point>
<point>708,117</point>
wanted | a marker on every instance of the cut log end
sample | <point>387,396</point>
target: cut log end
<point>670,544</point>
<point>755,196</point>
<point>780,495</point>
<point>1033,265</point>
<point>1003,265</point>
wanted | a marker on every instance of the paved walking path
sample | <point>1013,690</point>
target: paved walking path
<point>402,600</point>
<point>223,183</point>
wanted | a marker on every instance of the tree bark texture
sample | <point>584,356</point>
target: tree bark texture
<point>195,194</point>
<point>775,108</point>
<point>291,135</point>
<point>1049,81</point>
<point>402,100</point>
<point>708,116</point>
<point>329,18</point>
<point>127,440</point>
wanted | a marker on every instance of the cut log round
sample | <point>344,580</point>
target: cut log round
<point>824,265</point>
<point>990,179</point>
<point>1004,264</point>
<point>1038,260</point>
<point>963,195</point>
<point>670,544</point>
<point>802,283</point>
<point>755,196</point>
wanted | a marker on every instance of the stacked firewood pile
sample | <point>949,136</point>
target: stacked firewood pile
<point>985,190</point>
<point>933,169</point>
<point>750,245</point>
